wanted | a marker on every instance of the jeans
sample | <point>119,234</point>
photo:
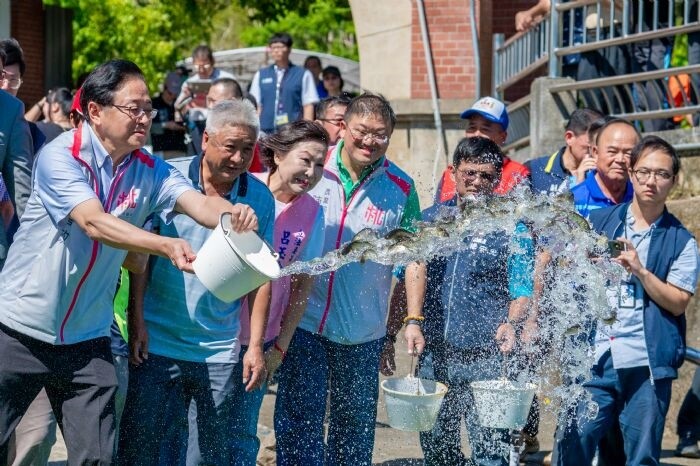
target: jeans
<point>442,445</point>
<point>155,421</point>
<point>629,394</point>
<point>352,371</point>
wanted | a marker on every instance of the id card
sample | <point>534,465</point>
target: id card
<point>281,119</point>
<point>627,295</point>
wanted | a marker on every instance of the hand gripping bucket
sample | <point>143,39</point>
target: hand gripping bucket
<point>503,404</point>
<point>413,404</point>
<point>231,264</point>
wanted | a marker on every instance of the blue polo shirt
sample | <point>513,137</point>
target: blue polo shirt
<point>588,196</point>
<point>184,320</point>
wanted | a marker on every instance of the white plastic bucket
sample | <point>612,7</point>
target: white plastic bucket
<point>503,404</point>
<point>413,404</point>
<point>232,264</point>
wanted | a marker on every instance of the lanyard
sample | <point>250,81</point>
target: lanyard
<point>279,79</point>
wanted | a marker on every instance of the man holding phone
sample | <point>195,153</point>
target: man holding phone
<point>637,357</point>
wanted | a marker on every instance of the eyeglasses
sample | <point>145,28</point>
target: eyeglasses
<point>203,66</point>
<point>136,112</point>
<point>335,122</point>
<point>643,175</point>
<point>12,83</point>
<point>471,175</point>
<point>362,136</point>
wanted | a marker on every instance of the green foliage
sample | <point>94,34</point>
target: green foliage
<point>152,33</point>
<point>319,25</point>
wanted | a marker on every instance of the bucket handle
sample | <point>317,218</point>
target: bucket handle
<point>228,230</point>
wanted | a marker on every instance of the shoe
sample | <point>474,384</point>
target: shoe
<point>688,451</point>
<point>530,444</point>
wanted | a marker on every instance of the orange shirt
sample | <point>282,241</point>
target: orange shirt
<point>512,174</point>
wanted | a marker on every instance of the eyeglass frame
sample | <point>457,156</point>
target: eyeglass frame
<point>334,122</point>
<point>127,110</point>
<point>471,175</point>
<point>3,77</point>
<point>659,175</point>
<point>379,139</point>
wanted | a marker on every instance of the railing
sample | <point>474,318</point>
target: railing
<point>584,25</point>
<point>519,125</point>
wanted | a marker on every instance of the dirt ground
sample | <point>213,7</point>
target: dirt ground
<point>396,448</point>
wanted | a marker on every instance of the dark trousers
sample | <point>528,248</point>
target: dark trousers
<point>689,414</point>
<point>80,382</point>
<point>629,395</point>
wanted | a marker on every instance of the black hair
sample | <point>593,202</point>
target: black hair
<point>288,136</point>
<point>231,85</point>
<point>105,80</point>
<point>371,104</point>
<point>595,126</point>
<point>323,106</point>
<point>312,57</point>
<point>581,119</point>
<point>616,121</point>
<point>203,51</point>
<point>281,38</point>
<point>3,57</point>
<point>654,143</point>
<point>479,150</point>
<point>13,54</point>
<point>61,96</point>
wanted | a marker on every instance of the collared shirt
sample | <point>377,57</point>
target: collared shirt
<point>184,320</point>
<point>588,196</point>
<point>412,212</point>
<point>626,338</point>
<point>58,284</point>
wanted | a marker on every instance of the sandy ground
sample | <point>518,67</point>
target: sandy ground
<point>397,448</point>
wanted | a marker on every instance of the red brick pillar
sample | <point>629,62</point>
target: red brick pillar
<point>27,26</point>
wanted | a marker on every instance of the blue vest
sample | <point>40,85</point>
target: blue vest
<point>290,95</point>
<point>664,333</point>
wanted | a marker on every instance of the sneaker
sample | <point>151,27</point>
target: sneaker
<point>688,451</point>
<point>530,444</point>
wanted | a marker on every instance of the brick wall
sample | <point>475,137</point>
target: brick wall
<point>27,26</point>
<point>450,38</point>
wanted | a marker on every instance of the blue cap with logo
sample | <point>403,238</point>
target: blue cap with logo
<point>489,108</point>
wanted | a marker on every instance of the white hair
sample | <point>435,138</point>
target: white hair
<point>239,112</point>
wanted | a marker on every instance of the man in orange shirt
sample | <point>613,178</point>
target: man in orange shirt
<point>487,118</point>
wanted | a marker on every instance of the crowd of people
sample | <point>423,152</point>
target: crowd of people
<point>108,333</point>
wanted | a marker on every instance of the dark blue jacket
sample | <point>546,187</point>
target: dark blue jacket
<point>547,174</point>
<point>290,95</point>
<point>664,333</point>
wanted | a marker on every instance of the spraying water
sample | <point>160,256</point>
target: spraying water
<point>573,300</point>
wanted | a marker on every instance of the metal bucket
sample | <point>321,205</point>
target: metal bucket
<point>503,404</point>
<point>413,404</point>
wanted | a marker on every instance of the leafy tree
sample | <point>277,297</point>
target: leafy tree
<point>320,25</point>
<point>152,33</point>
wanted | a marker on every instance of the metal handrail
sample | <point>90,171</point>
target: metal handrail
<point>624,79</point>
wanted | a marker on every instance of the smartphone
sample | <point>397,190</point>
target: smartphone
<point>615,247</point>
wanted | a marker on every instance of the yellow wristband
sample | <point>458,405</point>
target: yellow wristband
<point>418,318</point>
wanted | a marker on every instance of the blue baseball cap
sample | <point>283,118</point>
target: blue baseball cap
<point>489,108</point>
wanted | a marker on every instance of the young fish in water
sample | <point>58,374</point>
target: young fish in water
<point>573,330</point>
<point>399,234</point>
<point>354,245</point>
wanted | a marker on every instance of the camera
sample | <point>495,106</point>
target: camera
<point>615,247</point>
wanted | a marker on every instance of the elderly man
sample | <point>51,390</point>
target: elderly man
<point>608,184</point>
<point>284,91</point>
<point>340,338</point>
<point>475,298</point>
<point>92,189</point>
<point>638,356</point>
<point>189,353</point>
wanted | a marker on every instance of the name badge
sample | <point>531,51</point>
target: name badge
<point>281,119</point>
<point>627,294</point>
<point>266,80</point>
